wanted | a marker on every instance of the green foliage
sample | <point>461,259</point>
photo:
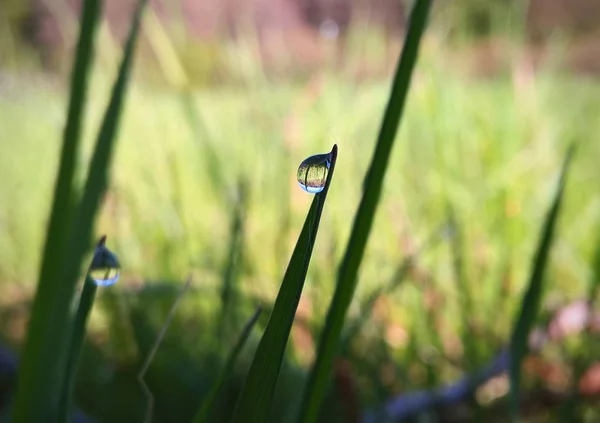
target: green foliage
<point>208,403</point>
<point>41,368</point>
<point>84,307</point>
<point>44,362</point>
<point>531,299</point>
<point>256,396</point>
<point>348,272</point>
<point>480,146</point>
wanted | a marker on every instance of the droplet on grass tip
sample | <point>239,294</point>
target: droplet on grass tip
<point>312,173</point>
<point>105,269</point>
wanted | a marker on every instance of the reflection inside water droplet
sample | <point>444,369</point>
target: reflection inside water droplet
<point>105,269</point>
<point>312,173</point>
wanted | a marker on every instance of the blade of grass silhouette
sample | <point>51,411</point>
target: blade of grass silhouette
<point>255,399</point>
<point>531,298</point>
<point>152,353</point>
<point>37,396</point>
<point>50,326</point>
<point>86,301</point>
<point>97,179</point>
<point>320,373</point>
<point>203,414</point>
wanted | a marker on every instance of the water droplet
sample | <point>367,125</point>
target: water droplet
<point>312,173</point>
<point>105,269</point>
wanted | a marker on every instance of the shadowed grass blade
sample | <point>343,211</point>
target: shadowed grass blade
<point>39,373</point>
<point>255,399</point>
<point>77,335</point>
<point>347,274</point>
<point>51,326</point>
<point>531,298</point>
<point>97,179</point>
<point>203,414</point>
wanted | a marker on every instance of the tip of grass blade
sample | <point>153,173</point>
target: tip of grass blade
<point>319,376</point>
<point>101,242</point>
<point>532,296</point>
<point>254,402</point>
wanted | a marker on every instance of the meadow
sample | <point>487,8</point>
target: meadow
<point>204,183</point>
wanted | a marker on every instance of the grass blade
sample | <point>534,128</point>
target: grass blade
<point>346,281</point>
<point>50,327</point>
<point>97,179</point>
<point>203,414</point>
<point>255,399</point>
<point>36,396</point>
<point>77,338</point>
<point>533,294</point>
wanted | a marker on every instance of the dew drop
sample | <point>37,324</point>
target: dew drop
<point>105,269</point>
<point>312,173</point>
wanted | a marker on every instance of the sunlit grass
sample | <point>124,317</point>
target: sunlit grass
<point>489,150</point>
<point>469,142</point>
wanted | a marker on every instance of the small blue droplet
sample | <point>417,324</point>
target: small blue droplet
<point>312,173</point>
<point>105,269</point>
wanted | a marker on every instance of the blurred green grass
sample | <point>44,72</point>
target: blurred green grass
<point>491,148</point>
<point>488,150</point>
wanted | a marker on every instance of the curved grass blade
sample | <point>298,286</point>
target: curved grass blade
<point>346,282</point>
<point>255,399</point>
<point>203,414</point>
<point>39,373</point>
<point>531,298</point>
<point>86,301</point>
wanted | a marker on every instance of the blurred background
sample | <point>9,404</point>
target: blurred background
<point>227,98</point>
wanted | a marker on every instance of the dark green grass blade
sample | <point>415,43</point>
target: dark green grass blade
<point>77,338</point>
<point>346,283</point>
<point>532,296</point>
<point>39,372</point>
<point>50,328</point>
<point>97,179</point>
<point>203,414</point>
<point>255,399</point>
